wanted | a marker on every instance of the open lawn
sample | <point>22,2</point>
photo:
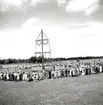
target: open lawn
<point>83,90</point>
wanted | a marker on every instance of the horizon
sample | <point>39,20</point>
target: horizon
<point>74,30</point>
<point>79,57</point>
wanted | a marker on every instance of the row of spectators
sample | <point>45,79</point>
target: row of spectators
<point>53,73</point>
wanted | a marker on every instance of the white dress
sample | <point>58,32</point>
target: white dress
<point>100,69</point>
<point>7,76</point>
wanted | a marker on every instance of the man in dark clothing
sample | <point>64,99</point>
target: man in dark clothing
<point>66,73</point>
<point>49,74</point>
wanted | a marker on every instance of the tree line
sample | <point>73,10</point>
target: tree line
<point>39,59</point>
<point>30,60</point>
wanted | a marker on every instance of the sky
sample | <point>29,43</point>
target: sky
<point>74,27</point>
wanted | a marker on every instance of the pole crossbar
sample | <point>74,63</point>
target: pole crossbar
<point>41,52</point>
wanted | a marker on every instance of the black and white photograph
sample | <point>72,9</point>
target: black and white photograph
<point>51,52</point>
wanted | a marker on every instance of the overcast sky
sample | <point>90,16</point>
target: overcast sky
<point>74,27</point>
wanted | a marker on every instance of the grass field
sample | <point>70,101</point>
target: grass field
<point>83,90</point>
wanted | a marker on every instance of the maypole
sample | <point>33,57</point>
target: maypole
<point>42,41</point>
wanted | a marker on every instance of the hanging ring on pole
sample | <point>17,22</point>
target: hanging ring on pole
<point>38,42</point>
<point>45,42</point>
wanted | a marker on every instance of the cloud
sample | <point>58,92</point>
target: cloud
<point>6,5</point>
<point>39,1</point>
<point>12,15</point>
<point>21,3</point>
<point>87,6</point>
<point>61,2</point>
<point>11,5</point>
<point>77,25</point>
<point>31,22</point>
<point>93,29</point>
<point>52,12</point>
<point>12,2</point>
<point>91,10</point>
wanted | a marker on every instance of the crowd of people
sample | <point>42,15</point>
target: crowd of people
<point>65,70</point>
